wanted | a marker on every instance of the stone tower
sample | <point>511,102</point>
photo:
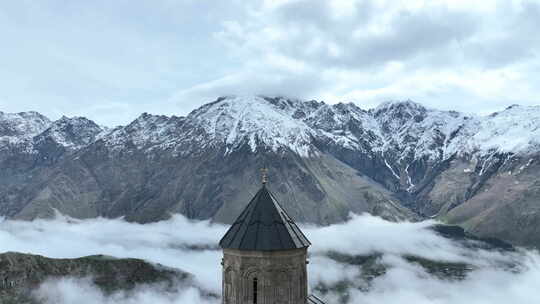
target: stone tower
<point>264,256</point>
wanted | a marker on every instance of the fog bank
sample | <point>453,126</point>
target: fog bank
<point>191,246</point>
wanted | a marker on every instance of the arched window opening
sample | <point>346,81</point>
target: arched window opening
<point>228,287</point>
<point>255,290</point>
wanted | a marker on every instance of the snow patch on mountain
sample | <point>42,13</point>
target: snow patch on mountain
<point>25,132</point>
<point>403,131</point>
<point>256,121</point>
<point>415,131</point>
<point>71,133</point>
<point>399,131</point>
<point>346,125</point>
<point>16,128</point>
<point>147,132</point>
<point>516,129</point>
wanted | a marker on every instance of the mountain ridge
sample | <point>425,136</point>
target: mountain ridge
<point>304,118</point>
<point>326,160</point>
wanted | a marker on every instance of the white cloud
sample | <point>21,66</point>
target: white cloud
<point>82,291</point>
<point>158,242</point>
<point>473,57</point>
<point>167,243</point>
<point>407,284</point>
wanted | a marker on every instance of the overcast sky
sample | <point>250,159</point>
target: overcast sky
<point>112,60</point>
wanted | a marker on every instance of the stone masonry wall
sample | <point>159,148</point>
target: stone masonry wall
<point>279,277</point>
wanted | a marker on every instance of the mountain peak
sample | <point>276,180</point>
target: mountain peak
<point>516,128</point>
<point>400,105</point>
<point>71,132</point>
<point>239,120</point>
<point>281,102</point>
<point>266,123</point>
<point>16,127</point>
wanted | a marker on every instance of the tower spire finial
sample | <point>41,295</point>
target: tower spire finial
<point>264,175</point>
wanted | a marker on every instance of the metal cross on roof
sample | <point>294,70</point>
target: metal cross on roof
<point>264,173</point>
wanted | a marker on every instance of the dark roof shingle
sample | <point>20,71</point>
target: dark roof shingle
<point>264,226</point>
<point>314,300</point>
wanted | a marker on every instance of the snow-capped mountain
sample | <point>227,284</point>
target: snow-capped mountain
<point>147,132</point>
<point>256,121</point>
<point>30,129</point>
<point>278,124</point>
<point>70,133</point>
<point>410,129</point>
<point>514,130</point>
<point>16,129</point>
<point>22,125</point>
<point>325,161</point>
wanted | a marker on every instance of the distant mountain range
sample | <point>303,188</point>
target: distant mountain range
<point>400,160</point>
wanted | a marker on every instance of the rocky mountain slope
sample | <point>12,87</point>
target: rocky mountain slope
<point>21,274</point>
<point>400,160</point>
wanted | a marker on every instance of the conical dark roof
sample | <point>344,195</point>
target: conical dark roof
<point>264,226</point>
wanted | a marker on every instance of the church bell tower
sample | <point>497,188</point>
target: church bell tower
<point>264,255</point>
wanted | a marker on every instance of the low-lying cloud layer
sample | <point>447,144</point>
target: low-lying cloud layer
<point>82,291</point>
<point>191,246</point>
